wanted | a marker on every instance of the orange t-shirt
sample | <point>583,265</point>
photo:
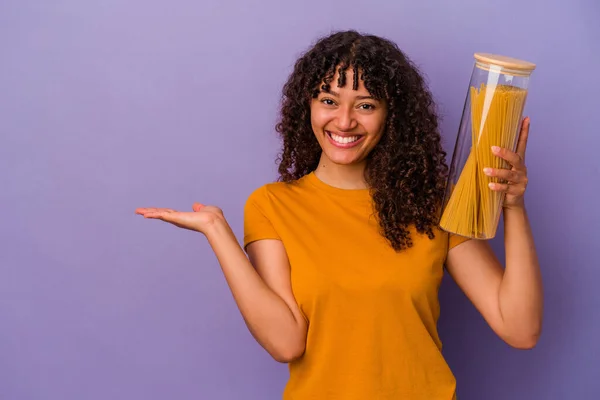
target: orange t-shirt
<point>372,311</point>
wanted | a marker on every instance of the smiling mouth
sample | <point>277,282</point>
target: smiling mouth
<point>344,141</point>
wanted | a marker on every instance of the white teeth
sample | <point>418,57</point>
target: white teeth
<point>344,140</point>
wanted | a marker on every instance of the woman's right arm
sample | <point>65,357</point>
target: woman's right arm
<point>262,290</point>
<point>261,287</point>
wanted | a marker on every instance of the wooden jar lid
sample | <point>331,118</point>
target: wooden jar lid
<point>505,62</point>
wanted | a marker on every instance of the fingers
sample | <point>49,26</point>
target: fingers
<point>516,158</point>
<point>150,210</point>
<point>514,190</point>
<point>513,158</point>
<point>164,215</point>
<point>514,182</point>
<point>146,210</point>
<point>167,214</point>
<point>513,176</point>
<point>158,215</point>
<point>523,136</point>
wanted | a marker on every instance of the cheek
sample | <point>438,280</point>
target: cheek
<point>376,126</point>
<point>374,142</point>
<point>318,119</point>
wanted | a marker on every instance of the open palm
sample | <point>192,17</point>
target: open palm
<point>199,219</point>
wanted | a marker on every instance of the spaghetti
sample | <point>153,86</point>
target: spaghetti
<point>473,209</point>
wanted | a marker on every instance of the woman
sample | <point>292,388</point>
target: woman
<point>344,254</point>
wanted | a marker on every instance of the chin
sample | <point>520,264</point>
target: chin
<point>343,159</point>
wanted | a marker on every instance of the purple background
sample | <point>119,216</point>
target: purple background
<point>106,106</point>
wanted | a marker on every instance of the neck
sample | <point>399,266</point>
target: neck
<point>342,176</point>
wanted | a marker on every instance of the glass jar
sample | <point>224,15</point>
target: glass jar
<point>492,116</point>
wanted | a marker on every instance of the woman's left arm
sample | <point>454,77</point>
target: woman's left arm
<point>510,299</point>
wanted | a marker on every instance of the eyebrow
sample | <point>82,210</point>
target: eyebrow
<point>336,94</point>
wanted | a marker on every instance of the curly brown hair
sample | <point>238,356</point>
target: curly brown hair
<point>406,171</point>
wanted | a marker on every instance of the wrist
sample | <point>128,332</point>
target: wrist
<point>216,227</point>
<point>515,208</point>
<point>515,213</point>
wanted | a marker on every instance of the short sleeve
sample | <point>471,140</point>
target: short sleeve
<point>257,225</point>
<point>454,240</point>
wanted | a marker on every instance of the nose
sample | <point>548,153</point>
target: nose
<point>345,120</point>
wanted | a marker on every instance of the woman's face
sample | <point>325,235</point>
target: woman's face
<point>348,123</point>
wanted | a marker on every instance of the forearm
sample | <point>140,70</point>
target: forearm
<point>267,316</point>
<point>521,294</point>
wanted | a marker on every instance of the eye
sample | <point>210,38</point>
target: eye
<point>367,106</point>
<point>328,102</point>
